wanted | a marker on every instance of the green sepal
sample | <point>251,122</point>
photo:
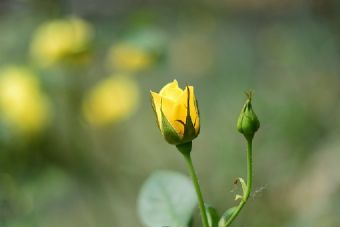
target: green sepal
<point>225,217</point>
<point>212,215</point>
<point>166,128</point>
<point>189,130</point>
<point>168,131</point>
<point>185,148</point>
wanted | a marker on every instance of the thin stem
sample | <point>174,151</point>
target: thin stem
<point>197,188</point>
<point>249,185</point>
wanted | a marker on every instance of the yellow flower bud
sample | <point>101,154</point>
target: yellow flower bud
<point>129,58</point>
<point>23,104</point>
<point>111,100</point>
<point>59,39</point>
<point>177,113</point>
<point>248,123</point>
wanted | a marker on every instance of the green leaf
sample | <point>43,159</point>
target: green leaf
<point>166,199</point>
<point>243,184</point>
<point>212,215</point>
<point>244,189</point>
<point>226,215</point>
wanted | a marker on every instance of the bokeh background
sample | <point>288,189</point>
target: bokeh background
<point>78,136</point>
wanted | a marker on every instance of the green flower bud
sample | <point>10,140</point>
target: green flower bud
<point>247,122</point>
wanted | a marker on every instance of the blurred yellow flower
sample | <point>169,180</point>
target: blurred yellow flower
<point>177,113</point>
<point>57,39</point>
<point>23,105</point>
<point>111,100</point>
<point>129,57</point>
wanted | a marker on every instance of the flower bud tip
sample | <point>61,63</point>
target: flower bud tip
<point>247,122</point>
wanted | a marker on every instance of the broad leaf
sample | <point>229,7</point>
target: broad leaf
<point>166,199</point>
<point>226,215</point>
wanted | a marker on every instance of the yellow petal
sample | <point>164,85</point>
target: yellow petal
<point>194,114</point>
<point>183,102</point>
<point>171,91</point>
<point>179,119</point>
<point>168,108</point>
<point>156,100</point>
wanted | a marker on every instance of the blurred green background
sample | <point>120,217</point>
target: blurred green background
<point>78,136</point>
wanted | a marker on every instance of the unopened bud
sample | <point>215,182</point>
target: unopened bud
<point>247,122</point>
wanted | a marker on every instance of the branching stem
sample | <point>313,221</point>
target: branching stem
<point>249,185</point>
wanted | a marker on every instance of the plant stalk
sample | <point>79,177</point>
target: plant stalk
<point>194,178</point>
<point>249,185</point>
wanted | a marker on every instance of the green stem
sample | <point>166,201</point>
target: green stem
<point>249,185</point>
<point>194,178</point>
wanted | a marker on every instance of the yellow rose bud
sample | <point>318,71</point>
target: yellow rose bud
<point>129,58</point>
<point>111,100</point>
<point>177,113</point>
<point>61,39</point>
<point>24,106</point>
